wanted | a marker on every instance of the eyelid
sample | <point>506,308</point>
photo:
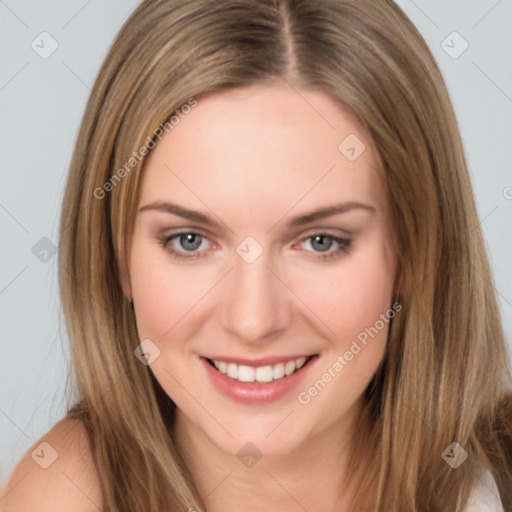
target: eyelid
<point>301,232</point>
<point>173,232</point>
<point>334,232</point>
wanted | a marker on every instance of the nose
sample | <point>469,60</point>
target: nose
<point>256,302</point>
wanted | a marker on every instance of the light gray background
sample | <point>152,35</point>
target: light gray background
<point>41,104</point>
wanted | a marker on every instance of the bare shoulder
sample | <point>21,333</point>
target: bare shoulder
<point>56,474</point>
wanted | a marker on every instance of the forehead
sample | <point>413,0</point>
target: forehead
<point>263,147</point>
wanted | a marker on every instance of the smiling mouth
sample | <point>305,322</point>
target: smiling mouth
<point>260,374</point>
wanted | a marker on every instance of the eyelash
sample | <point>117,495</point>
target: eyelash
<point>343,245</point>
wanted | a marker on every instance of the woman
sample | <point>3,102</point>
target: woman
<point>273,276</point>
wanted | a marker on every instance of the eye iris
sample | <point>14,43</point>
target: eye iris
<point>192,238</point>
<point>322,239</point>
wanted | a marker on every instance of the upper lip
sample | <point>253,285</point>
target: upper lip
<point>264,361</point>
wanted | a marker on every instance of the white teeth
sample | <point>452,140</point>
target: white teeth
<point>232,370</point>
<point>299,363</point>
<point>289,367</point>
<point>262,374</point>
<point>278,370</point>
<point>246,373</point>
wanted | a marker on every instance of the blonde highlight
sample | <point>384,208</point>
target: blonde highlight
<point>371,59</point>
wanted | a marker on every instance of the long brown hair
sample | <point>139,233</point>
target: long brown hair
<point>444,377</point>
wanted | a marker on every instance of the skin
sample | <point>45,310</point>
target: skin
<point>253,158</point>
<point>56,479</point>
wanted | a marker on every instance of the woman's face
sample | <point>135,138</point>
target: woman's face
<point>245,273</point>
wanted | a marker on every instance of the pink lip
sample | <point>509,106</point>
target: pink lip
<point>264,361</point>
<point>256,392</point>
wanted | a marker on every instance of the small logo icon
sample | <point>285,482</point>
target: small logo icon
<point>351,147</point>
<point>455,455</point>
<point>44,45</point>
<point>249,249</point>
<point>146,352</point>
<point>44,455</point>
<point>454,45</point>
<point>44,250</point>
<point>249,455</point>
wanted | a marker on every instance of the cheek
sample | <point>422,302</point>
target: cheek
<point>352,297</point>
<point>355,302</point>
<point>164,292</point>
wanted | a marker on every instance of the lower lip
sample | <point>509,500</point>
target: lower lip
<point>256,392</point>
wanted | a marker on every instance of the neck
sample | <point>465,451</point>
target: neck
<point>312,477</point>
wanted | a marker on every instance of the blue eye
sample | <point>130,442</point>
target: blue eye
<point>323,242</point>
<point>189,243</point>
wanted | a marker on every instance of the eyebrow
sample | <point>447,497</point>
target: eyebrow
<point>328,211</point>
